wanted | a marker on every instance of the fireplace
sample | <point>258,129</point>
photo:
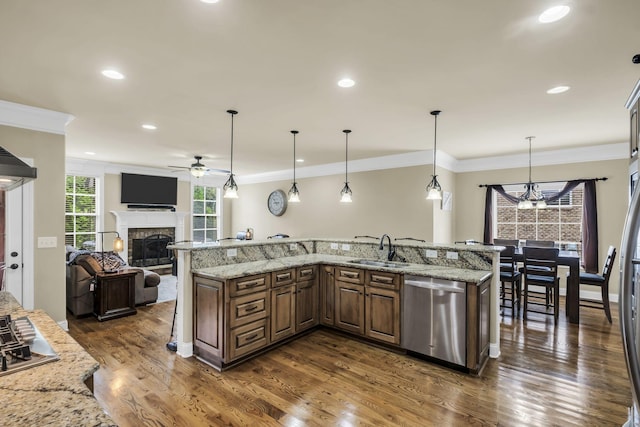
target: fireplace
<point>151,250</point>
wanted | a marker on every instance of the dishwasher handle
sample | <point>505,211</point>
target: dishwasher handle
<point>434,286</point>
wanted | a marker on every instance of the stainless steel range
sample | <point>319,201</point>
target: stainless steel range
<point>22,346</point>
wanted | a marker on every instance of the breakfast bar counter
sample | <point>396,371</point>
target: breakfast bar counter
<point>54,393</point>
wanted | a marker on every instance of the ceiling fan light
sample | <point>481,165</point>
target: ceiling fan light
<point>198,171</point>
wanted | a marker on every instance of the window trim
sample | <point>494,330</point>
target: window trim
<point>218,214</point>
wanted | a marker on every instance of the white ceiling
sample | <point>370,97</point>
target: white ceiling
<point>486,64</point>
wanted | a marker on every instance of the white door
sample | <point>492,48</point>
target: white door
<point>18,253</point>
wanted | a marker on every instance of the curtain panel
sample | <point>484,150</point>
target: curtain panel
<point>589,218</point>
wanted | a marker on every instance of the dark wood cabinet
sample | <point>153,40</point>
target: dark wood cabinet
<point>382,311</point>
<point>349,307</point>
<point>327,295</point>
<point>115,295</point>
<point>306,305</point>
<point>283,312</point>
<point>208,298</point>
<point>478,329</point>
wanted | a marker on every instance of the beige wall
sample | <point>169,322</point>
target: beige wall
<point>48,152</point>
<point>612,198</point>
<point>377,208</point>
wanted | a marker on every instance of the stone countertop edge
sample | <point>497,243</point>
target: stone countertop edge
<point>233,271</point>
<point>239,243</point>
<point>53,393</point>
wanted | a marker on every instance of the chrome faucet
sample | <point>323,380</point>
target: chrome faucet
<point>392,251</point>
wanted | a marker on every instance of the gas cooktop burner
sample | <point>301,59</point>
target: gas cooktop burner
<point>22,346</point>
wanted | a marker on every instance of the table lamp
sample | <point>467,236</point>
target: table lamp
<point>118,245</point>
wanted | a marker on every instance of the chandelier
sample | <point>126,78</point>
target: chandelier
<point>531,197</point>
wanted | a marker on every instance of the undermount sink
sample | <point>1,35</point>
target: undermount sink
<point>377,263</point>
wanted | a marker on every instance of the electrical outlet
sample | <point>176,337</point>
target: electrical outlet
<point>452,255</point>
<point>346,247</point>
<point>431,253</point>
<point>232,252</point>
<point>47,242</point>
<point>334,246</point>
<point>293,246</point>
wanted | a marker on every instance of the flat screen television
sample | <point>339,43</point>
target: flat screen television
<point>148,189</point>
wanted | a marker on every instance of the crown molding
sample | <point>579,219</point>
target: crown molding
<point>33,118</point>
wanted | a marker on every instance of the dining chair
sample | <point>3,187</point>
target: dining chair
<point>601,281</point>
<point>506,242</point>
<point>509,274</point>
<point>541,270</point>
<point>540,243</point>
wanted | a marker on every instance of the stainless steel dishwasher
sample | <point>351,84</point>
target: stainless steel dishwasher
<point>434,318</point>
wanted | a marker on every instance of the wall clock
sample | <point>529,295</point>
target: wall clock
<point>277,202</point>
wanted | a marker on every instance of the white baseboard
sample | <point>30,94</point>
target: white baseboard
<point>185,349</point>
<point>494,351</point>
<point>64,325</point>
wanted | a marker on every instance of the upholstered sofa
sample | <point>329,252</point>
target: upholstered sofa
<point>81,269</point>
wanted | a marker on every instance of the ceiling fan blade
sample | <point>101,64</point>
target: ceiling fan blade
<point>179,167</point>
<point>218,171</point>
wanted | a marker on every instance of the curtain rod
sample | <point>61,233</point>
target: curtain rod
<point>546,182</point>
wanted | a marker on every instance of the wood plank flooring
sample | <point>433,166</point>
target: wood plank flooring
<point>546,375</point>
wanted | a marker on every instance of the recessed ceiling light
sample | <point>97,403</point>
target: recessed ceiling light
<point>113,74</point>
<point>89,153</point>
<point>554,14</point>
<point>149,126</point>
<point>346,82</point>
<point>300,160</point>
<point>558,89</point>
<point>209,1</point>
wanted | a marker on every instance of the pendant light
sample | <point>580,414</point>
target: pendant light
<point>346,191</point>
<point>294,194</point>
<point>434,191</point>
<point>531,197</point>
<point>230,187</point>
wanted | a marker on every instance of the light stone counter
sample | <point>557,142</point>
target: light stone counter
<point>53,394</point>
<point>232,271</point>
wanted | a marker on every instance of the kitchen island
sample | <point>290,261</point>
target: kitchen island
<point>55,393</point>
<point>273,268</point>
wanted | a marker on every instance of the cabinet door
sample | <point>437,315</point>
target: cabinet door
<point>283,312</point>
<point>349,307</point>
<point>208,310</point>
<point>382,315</point>
<point>485,313</point>
<point>327,295</point>
<point>306,305</point>
<point>248,338</point>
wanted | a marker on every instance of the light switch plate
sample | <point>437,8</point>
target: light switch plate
<point>293,246</point>
<point>346,247</point>
<point>334,246</point>
<point>232,252</point>
<point>431,253</point>
<point>47,242</point>
<point>452,255</point>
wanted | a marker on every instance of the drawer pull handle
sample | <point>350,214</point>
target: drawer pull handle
<point>306,272</point>
<point>381,279</point>
<point>283,276</point>
<point>252,337</point>
<point>250,284</point>
<point>351,274</point>
<point>251,308</point>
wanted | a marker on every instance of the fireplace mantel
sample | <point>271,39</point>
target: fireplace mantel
<point>147,219</point>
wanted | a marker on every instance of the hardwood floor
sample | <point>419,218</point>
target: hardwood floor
<point>546,375</point>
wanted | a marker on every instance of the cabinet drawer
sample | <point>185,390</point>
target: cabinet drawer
<point>283,277</point>
<point>306,273</point>
<point>249,284</point>
<point>248,308</point>
<point>248,338</point>
<point>350,275</point>
<point>383,279</point>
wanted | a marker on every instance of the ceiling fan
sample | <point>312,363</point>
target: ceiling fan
<point>198,169</point>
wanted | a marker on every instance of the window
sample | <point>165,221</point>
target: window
<point>205,214</point>
<point>561,221</point>
<point>80,212</point>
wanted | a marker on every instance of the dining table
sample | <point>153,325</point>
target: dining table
<point>569,259</point>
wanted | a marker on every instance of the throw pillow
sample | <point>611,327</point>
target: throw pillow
<point>89,263</point>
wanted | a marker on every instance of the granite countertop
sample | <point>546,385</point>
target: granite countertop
<point>53,393</point>
<point>232,271</point>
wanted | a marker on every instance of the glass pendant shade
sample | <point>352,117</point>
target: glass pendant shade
<point>345,194</point>
<point>434,190</point>
<point>118,244</point>
<point>230,187</point>
<point>294,194</point>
